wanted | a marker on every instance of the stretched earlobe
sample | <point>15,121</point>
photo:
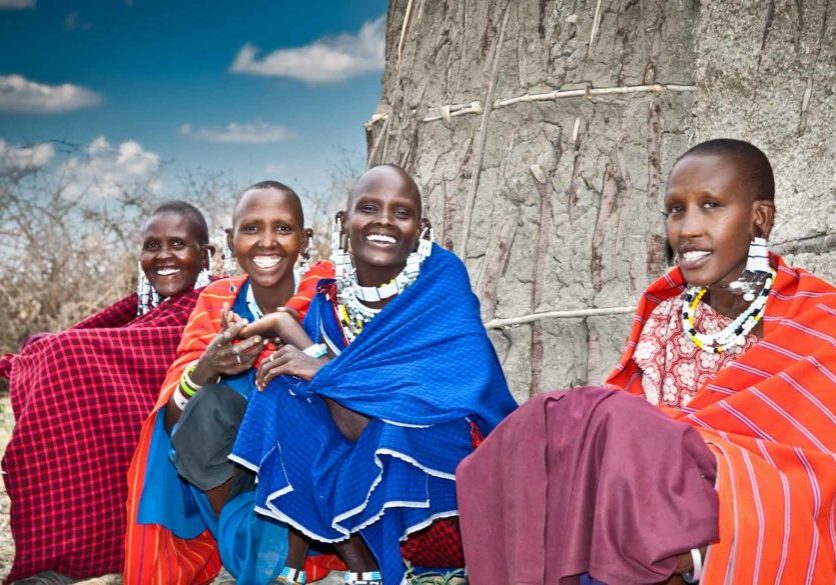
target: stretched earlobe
<point>763,218</point>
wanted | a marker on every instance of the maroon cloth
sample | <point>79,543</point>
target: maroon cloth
<point>79,399</point>
<point>587,480</point>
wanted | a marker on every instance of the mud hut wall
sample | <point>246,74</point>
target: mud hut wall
<point>555,204</point>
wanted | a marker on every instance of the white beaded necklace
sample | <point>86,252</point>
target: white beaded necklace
<point>734,334</point>
<point>354,315</point>
<point>252,305</point>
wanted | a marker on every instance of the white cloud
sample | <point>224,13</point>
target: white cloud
<point>20,95</point>
<point>108,171</point>
<point>13,4</point>
<point>326,60</point>
<point>257,133</point>
<point>24,157</point>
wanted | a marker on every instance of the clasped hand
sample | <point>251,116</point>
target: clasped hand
<point>225,357</point>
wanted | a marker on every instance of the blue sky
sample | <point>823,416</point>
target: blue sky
<point>254,88</point>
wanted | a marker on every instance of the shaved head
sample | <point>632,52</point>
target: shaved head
<point>389,175</point>
<point>750,161</point>
<point>292,197</point>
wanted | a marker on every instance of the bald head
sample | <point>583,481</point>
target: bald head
<point>389,177</point>
<point>289,194</point>
<point>750,161</point>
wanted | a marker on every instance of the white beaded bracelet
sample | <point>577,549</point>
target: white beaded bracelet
<point>179,399</point>
<point>695,574</point>
<point>317,350</point>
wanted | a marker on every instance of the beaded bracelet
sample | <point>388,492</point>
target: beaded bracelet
<point>317,350</point>
<point>695,574</point>
<point>180,401</point>
<point>187,385</point>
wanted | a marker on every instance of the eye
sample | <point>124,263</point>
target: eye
<point>150,245</point>
<point>284,229</point>
<point>249,228</point>
<point>403,212</point>
<point>672,210</point>
<point>367,208</point>
<point>178,243</point>
<point>710,204</point>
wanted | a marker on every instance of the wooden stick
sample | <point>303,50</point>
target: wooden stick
<point>575,314</point>
<point>475,107</point>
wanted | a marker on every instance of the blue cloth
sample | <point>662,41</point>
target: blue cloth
<point>253,548</point>
<point>422,370</point>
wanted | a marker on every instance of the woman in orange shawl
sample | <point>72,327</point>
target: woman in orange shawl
<point>751,375</point>
<point>175,526</point>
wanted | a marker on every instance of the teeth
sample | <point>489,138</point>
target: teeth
<point>266,261</point>
<point>694,255</point>
<point>167,271</point>
<point>381,238</point>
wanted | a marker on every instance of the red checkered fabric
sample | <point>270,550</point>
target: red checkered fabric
<point>439,546</point>
<point>79,399</point>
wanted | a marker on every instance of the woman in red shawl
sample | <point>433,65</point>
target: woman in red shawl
<point>189,508</point>
<point>79,398</point>
<point>730,475</point>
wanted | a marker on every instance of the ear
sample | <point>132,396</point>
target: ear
<point>306,246</point>
<point>207,251</point>
<point>763,217</point>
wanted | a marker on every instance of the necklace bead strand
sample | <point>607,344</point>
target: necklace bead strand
<point>734,334</point>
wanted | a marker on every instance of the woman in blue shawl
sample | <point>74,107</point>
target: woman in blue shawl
<point>368,408</point>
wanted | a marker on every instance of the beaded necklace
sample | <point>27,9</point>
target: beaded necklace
<point>353,314</point>
<point>252,305</point>
<point>734,334</point>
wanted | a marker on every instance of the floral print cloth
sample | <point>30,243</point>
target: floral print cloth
<point>672,367</point>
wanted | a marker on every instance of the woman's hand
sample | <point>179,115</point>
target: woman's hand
<point>281,326</point>
<point>225,358</point>
<point>287,360</point>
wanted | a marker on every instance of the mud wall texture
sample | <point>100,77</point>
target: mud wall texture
<point>541,133</point>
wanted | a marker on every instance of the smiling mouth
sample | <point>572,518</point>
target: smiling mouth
<point>694,255</point>
<point>381,239</point>
<point>167,271</point>
<point>266,262</point>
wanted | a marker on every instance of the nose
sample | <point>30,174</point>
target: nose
<point>691,224</point>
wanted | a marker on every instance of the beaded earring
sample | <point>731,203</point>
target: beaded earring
<point>230,265</point>
<point>148,295</point>
<point>339,253</point>
<point>204,276</point>
<point>756,272</point>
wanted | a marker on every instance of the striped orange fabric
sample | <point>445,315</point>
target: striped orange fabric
<point>153,555</point>
<point>770,419</point>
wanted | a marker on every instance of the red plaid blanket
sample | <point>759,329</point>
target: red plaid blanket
<point>79,399</point>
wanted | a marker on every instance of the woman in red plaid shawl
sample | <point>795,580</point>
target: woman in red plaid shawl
<point>79,398</point>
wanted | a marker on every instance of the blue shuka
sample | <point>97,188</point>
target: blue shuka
<point>422,370</point>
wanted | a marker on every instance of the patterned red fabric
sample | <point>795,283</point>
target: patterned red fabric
<point>79,399</point>
<point>155,556</point>
<point>672,367</point>
<point>437,546</point>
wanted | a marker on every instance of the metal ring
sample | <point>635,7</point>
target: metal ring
<point>238,357</point>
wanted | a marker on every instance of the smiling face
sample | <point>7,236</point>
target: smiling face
<point>712,217</point>
<point>266,238</point>
<point>382,222</point>
<point>171,256</point>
